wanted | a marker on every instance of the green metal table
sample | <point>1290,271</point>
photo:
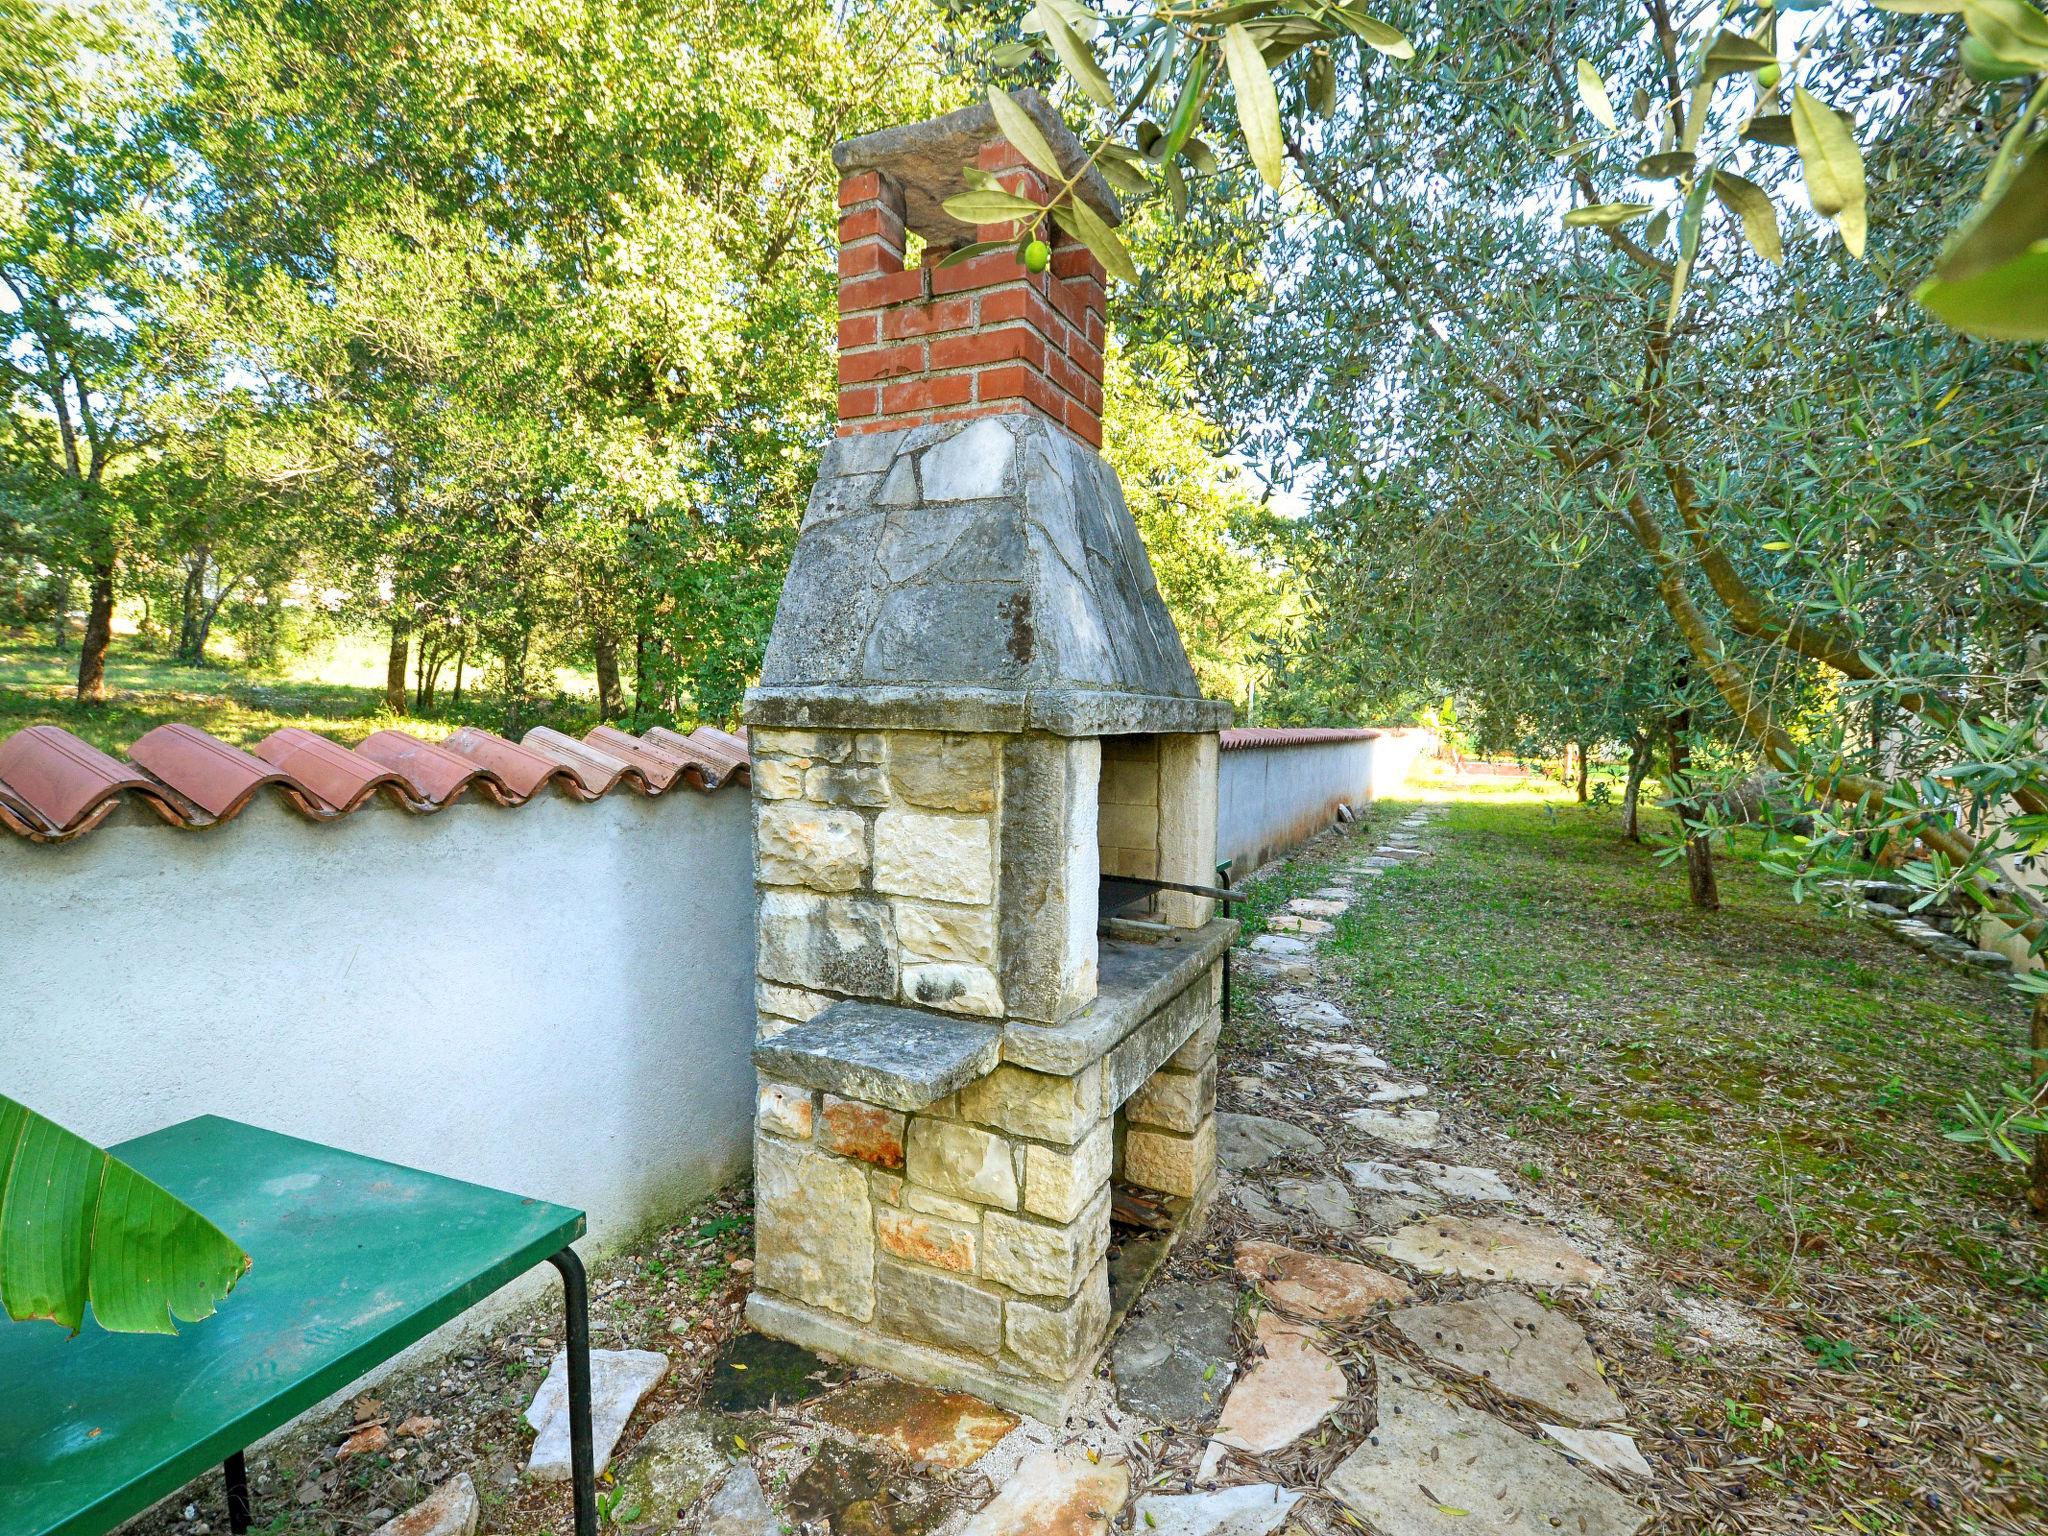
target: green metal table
<point>353,1260</point>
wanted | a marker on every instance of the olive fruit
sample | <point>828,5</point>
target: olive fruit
<point>1037,256</point>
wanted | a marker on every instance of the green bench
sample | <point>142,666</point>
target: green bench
<point>354,1259</point>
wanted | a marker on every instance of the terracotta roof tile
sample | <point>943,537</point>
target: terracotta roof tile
<point>1244,737</point>
<point>718,754</point>
<point>64,786</point>
<point>214,776</point>
<point>596,771</point>
<point>432,774</point>
<point>335,778</point>
<point>521,770</point>
<point>659,764</point>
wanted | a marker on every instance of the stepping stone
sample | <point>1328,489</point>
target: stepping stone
<point>1054,1495</point>
<point>1273,968</point>
<point>1490,1248</point>
<point>1314,1286</point>
<point>1396,852</point>
<point>1245,1142</point>
<point>619,1380</point>
<point>1313,906</point>
<point>1253,1509</point>
<point>1608,1449</point>
<point>1518,1346</point>
<point>1175,1355</point>
<point>1338,892</point>
<point>450,1510</point>
<point>1463,1182</point>
<point>1281,1398</point>
<point>1383,1178</point>
<point>1346,1054</point>
<point>755,1372</point>
<point>674,1462</point>
<point>1324,1200</point>
<point>1413,1129</point>
<point>1434,1467</point>
<point>737,1507</point>
<point>1287,922</point>
<point>1255,1203</point>
<point>843,1486</point>
<point>1379,863</point>
<point>1385,1213</point>
<point>1281,947</point>
<point>1303,1010</point>
<point>1386,1091</point>
<point>946,1429</point>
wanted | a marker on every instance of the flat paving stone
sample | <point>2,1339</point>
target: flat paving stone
<point>1465,1182</point>
<point>1433,1467</point>
<point>1383,1178</point>
<point>450,1510</point>
<point>1412,1129</point>
<point>1281,946</point>
<point>1490,1248</point>
<point>1286,1393</point>
<point>1278,968</point>
<point>1244,1142</point>
<point>755,1372</point>
<point>1345,1054</point>
<point>1387,1091</point>
<point>1251,1509</point>
<point>620,1380</point>
<point>736,1507</point>
<point>1287,922</point>
<point>947,1429</point>
<point>1322,1200</point>
<point>1176,1353</point>
<point>1314,1286</point>
<point>1518,1346</point>
<point>1253,1200</point>
<point>673,1464</point>
<point>1338,892</point>
<point>1319,906</point>
<point>1051,1494</point>
<point>1302,1009</point>
<point>1608,1449</point>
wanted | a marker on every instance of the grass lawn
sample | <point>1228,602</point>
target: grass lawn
<point>1755,1098</point>
<point>337,691</point>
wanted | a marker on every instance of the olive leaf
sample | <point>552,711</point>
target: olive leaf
<point>1593,92</point>
<point>1322,86</point>
<point>989,207</point>
<point>1833,166</point>
<point>1992,281</point>
<point>1734,54</point>
<point>1258,104</point>
<point>1667,167</point>
<point>1377,34</point>
<point>1076,55</point>
<point>1087,226</point>
<point>2012,31</point>
<point>963,253</point>
<point>1605,215</point>
<point>1753,206</point>
<point>1022,132</point>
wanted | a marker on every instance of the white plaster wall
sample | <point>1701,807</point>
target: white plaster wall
<point>555,1000</point>
<point>1271,799</point>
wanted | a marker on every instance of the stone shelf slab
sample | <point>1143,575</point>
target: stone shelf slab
<point>1134,980</point>
<point>881,1054</point>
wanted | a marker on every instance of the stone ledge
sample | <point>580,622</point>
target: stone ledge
<point>881,1054</point>
<point>996,711</point>
<point>1135,980</point>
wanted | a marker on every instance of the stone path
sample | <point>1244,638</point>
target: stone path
<point>1378,1332</point>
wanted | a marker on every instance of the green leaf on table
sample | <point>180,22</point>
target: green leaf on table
<point>1088,226</point>
<point>1753,206</point>
<point>79,1226</point>
<point>1593,92</point>
<point>1605,215</point>
<point>1992,280</point>
<point>1833,166</point>
<point>1076,55</point>
<point>1023,133</point>
<point>1258,104</point>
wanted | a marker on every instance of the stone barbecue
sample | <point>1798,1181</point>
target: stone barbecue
<point>973,706</point>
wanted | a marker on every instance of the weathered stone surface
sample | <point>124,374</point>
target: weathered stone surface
<point>790,1002</point>
<point>675,1461</point>
<point>754,1373</point>
<point>1059,1185</point>
<point>962,1161</point>
<point>1281,946</point>
<point>928,1202</point>
<point>1383,1178</point>
<point>1244,1142</point>
<point>1051,1494</point>
<point>814,1228</point>
<point>839,1479</point>
<point>1314,1286</point>
<point>830,943</point>
<point>1403,1482</point>
<point>1253,1200</point>
<point>1286,1393</point>
<point>1386,1091</point>
<point>1322,1200</point>
<point>1305,1011</point>
<point>619,1380</point>
<point>861,784</point>
<point>1048,869</point>
<point>918,1304</point>
<point>1177,1101</point>
<point>1146,1049</point>
<point>775,779</point>
<point>826,746</point>
<point>1608,1449</point>
<point>1039,1104</point>
<point>1414,1129</point>
<point>802,844</point>
<point>1287,922</point>
<point>1198,1052</point>
<point>1463,1182</point>
<point>943,772</point>
<point>1176,1353</point>
<point>1518,1346</point>
<point>1251,1509</point>
<point>450,1510</point>
<point>944,1429</point>
<point>784,1110</point>
<point>736,1507</point>
<point>1058,1340</point>
<point>1311,906</point>
<point>1338,890</point>
<point>928,931</point>
<point>1490,1248</point>
<point>866,1131</point>
<point>1171,1163</point>
<point>955,987</point>
<point>880,1054</point>
<point>941,858</point>
<point>1346,1055</point>
<point>928,1240</point>
<point>1039,1258</point>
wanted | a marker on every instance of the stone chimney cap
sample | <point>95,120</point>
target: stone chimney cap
<point>924,160</point>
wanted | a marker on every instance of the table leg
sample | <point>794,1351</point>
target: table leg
<point>582,1461</point>
<point>237,1472</point>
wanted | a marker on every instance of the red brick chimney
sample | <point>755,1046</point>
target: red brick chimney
<point>986,336</point>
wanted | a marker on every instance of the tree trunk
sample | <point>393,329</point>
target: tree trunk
<point>461,656</point>
<point>2037,1039</point>
<point>1699,853</point>
<point>605,646</point>
<point>639,677</point>
<point>1641,754</point>
<point>60,603</point>
<point>99,633</point>
<point>194,593</point>
<point>394,669</point>
<point>1580,748</point>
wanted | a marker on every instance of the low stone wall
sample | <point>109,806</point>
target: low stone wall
<point>1277,788</point>
<point>556,1000</point>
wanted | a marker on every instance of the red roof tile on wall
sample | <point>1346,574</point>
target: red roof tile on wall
<point>1246,737</point>
<point>55,787</point>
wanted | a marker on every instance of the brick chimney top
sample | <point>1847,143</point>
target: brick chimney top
<point>984,337</point>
